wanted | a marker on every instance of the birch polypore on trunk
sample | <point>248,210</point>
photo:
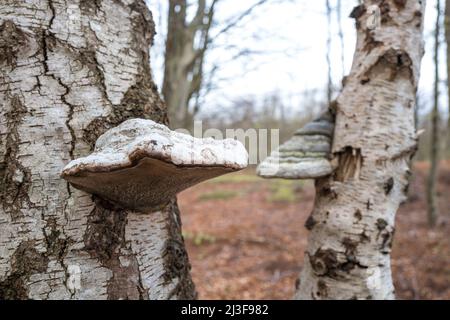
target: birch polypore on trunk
<point>69,71</point>
<point>352,223</point>
<point>141,165</point>
<point>304,156</point>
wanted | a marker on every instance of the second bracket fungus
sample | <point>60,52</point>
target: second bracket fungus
<point>141,164</point>
<point>305,156</point>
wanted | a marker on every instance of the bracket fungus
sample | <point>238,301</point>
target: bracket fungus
<point>305,156</point>
<point>141,165</point>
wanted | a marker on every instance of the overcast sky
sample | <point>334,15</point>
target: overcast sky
<point>293,35</point>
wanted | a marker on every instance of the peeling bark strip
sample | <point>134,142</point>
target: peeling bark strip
<point>70,70</point>
<point>348,254</point>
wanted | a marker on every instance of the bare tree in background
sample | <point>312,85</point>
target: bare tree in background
<point>433,206</point>
<point>352,223</point>
<point>69,71</point>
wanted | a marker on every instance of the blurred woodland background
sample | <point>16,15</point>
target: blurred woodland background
<point>277,64</point>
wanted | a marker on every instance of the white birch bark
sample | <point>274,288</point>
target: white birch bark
<point>70,70</point>
<point>352,223</point>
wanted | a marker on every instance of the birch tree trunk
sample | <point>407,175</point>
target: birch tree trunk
<point>352,224</point>
<point>70,70</point>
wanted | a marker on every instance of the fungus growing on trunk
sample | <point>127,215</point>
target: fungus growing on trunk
<point>305,156</point>
<point>141,164</point>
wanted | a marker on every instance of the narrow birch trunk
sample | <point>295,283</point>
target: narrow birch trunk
<point>433,208</point>
<point>352,224</point>
<point>70,70</point>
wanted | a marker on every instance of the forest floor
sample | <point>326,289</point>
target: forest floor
<point>246,239</point>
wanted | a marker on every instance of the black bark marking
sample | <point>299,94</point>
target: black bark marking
<point>69,117</point>
<point>16,179</point>
<point>387,240</point>
<point>176,261</point>
<point>297,283</point>
<point>310,223</point>
<point>324,190</point>
<point>387,237</point>
<point>90,7</point>
<point>363,237</point>
<point>358,215</point>
<point>418,14</point>
<point>400,4</point>
<point>49,43</point>
<point>13,288</point>
<point>405,188</point>
<point>357,13</point>
<point>381,224</point>
<point>365,80</point>
<point>322,289</point>
<point>370,43</point>
<point>350,255</point>
<point>26,261</point>
<point>386,234</point>
<point>12,41</point>
<point>325,263</point>
<point>344,81</point>
<point>56,242</point>
<point>384,11</point>
<point>350,246</point>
